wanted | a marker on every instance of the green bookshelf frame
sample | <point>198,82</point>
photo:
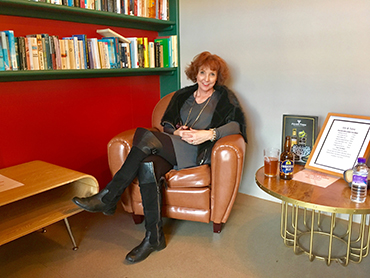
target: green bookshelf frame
<point>169,77</point>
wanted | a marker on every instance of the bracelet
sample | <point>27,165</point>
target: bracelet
<point>214,135</point>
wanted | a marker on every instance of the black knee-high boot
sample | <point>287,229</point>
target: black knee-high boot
<point>150,190</point>
<point>145,143</point>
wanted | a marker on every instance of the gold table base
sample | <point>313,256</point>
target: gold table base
<point>307,232</point>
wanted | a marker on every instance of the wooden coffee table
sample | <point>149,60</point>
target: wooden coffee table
<point>44,199</point>
<point>309,220</point>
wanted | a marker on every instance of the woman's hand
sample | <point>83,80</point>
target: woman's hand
<point>193,136</point>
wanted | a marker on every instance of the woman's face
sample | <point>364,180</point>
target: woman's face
<point>206,79</point>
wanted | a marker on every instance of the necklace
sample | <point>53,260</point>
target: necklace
<point>200,113</point>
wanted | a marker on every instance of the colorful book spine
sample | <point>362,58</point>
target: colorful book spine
<point>151,55</point>
<point>134,53</point>
<point>63,54</point>
<point>40,52</point>
<point>22,54</point>
<point>11,51</point>
<point>84,51</point>
<point>33,52</point>
<point>2,66</point>
<point>146,52</point>
<point>47,51</point>
<point>164,45</point>
<point>6,54</point>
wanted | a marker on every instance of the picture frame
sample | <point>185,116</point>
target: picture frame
<point>303,132</point>
<point>342,139</point>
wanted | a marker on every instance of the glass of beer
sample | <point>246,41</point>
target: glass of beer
<point>271,160</point>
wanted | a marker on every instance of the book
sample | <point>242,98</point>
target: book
<point>114,53</point>
<point>146,52</point>
<point>73,52</point>
<point>175,53</point>
<point>22,53</point>
<point>152,6</point>
<point>163,10</point>
<point>58,56</point>
<point>104,54</point>
<point>27,46</point>
<point>157,53</point>
<point>140,52</point>
<point>71,61</point>
<point>40,52</point>
<point>47,51</point>
<point>94,48</point>
<point>110,33</point>
<point>53,53</point>
<point>84,50</point>
<point>6,53</point>
<point>11,50</point>
<point>303,132</point>
<point>164,46</point>
<point>63,54</point>
<point>172,51</point>
<point>90,54</point>
<point>2,66</point>
<point>125,56</point>
<point>126,7</point>
<point>33,52</point>
<point>151,55</point>
<point>134,52</point>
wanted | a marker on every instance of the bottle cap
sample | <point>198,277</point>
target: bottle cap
<point>361,160</point>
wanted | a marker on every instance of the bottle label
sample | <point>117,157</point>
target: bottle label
<point>286,167</point>
<point>359,180</point>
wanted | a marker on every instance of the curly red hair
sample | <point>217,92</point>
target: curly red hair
<point>214,62</point>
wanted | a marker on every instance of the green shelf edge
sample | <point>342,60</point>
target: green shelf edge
<point>31,75</point>
<point>65,13</point>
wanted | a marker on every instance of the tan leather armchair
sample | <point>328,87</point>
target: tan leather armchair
<point>200,193</point>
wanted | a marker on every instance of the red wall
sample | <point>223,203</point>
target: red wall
<point>69,122</point>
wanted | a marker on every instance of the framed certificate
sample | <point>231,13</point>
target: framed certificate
<point>342,139</point>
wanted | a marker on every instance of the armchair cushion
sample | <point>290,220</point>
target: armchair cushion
<point>190,177</point>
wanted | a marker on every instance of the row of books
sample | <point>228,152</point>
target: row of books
<point>112,51</point>
<point>146,8</point>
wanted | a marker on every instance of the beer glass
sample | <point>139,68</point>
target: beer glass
<point>271,161</point>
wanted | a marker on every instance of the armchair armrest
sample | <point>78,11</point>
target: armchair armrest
<point>118,148</point>
<point>227,163</point>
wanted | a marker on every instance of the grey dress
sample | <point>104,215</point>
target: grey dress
<point>186,154</point>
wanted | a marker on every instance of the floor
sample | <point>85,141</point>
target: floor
<point>248,246</point>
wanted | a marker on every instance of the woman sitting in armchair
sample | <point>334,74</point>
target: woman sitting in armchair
<point>196,117</point>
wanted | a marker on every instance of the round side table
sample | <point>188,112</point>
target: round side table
<point>309,221</point>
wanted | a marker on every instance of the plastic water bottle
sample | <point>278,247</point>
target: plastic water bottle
<point>359,181</point>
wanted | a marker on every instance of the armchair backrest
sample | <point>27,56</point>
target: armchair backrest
<point>159,110</point>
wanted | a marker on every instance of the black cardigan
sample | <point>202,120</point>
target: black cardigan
<point>228,109</point>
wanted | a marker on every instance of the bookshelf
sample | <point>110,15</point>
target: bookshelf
<point>67,117</point>
<point>169,77</point>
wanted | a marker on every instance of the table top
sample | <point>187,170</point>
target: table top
<point>335,198</point>
<point>39,176</point>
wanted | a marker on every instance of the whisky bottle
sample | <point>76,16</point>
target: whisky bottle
<point>287,161</point>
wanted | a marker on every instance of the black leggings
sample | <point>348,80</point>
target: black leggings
<point>163,160</point>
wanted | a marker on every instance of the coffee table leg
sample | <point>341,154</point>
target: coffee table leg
<point>332,225</point>
<point>75,247</point>
<point>296,248</point>
<point>284,225</point>
<point>311,255</point>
